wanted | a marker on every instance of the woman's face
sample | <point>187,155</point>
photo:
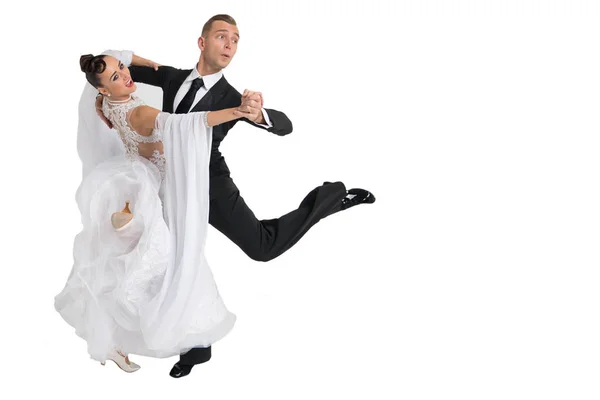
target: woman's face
<point>115,79</point>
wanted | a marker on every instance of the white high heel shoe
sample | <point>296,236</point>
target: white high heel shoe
<point>122,361</point>
<point>120,220</point>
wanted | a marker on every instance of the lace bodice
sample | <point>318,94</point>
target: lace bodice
<point>117,112</point>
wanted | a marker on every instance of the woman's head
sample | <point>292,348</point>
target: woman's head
<point>107,74</point>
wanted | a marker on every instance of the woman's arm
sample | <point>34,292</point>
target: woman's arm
<point>143,118</point>
<point>220,117</point>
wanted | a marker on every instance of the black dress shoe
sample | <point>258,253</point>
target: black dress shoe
<point>357,196</point>
<point>180,370</point>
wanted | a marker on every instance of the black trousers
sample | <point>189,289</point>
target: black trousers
<point>263,240</point>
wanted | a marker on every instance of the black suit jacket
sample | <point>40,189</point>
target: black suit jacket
<point>222,95</point>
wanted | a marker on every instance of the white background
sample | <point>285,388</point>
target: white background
<point>475,275</point>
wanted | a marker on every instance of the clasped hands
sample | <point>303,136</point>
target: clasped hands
<point>251,107</point>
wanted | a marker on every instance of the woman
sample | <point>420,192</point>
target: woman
<point>146,288</point>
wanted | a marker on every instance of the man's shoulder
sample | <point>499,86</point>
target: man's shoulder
<point>164,69</point>
<point>228,88</point>
<point>174,70</point>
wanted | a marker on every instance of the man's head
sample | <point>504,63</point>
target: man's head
<point>218,42</point>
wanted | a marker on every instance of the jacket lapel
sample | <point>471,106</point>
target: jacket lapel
<point>212,97</point>
<point>174,85</point>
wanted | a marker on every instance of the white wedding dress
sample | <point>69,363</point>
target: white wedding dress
<point>146,289</point>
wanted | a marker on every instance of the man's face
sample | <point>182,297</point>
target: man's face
<point>220,44</point>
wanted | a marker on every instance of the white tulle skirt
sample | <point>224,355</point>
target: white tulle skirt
<point>147,289</point>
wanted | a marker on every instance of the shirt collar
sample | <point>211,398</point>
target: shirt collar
<point>209,80</point>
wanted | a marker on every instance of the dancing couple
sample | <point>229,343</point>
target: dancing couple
<point>140,283</point>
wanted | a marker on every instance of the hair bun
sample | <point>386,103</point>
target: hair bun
<point>85,62</point>
<point>92,66</point>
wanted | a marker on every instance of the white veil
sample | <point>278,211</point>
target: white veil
<point>96,142</point>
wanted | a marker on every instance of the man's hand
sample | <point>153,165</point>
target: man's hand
<point>153,65</point>
<point>142,62</point>
<point>252,104</point>
<point>100,113</point>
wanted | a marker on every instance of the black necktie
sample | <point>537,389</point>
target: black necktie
<point>188,99</point>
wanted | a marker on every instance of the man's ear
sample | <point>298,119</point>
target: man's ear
<point>201,43</point>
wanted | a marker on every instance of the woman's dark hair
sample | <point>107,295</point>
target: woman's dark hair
<point>93,66</point>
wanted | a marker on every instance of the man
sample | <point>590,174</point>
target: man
<point>204,88</point>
